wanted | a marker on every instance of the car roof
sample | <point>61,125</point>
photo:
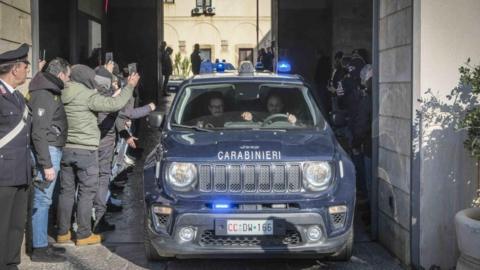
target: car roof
<point>231,77</point>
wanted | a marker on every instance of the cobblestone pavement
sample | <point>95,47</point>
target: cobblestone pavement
<point>123,248</point>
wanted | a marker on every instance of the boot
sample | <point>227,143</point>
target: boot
<point>91,240</point>
<point>47,255</point>
<point>59,250</point>
<point>64,238</point>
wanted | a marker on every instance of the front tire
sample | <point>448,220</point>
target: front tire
<point>150,252</point>
<point>345,254</point>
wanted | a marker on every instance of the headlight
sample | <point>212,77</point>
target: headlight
<point>317,175</point>
<point>182,176</point>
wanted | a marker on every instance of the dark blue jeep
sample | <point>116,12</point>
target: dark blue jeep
<point>247,166</point>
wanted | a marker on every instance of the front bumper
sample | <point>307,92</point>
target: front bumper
<point>168,243</point>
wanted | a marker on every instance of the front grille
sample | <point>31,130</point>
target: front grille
<point>291,238</point>
<point>250,178</point>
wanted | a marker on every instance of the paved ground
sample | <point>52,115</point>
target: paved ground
<point>123,248</point>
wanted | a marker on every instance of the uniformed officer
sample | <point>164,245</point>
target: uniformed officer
<point>15,159</point>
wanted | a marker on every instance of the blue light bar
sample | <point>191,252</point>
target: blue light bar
<point>284,67</point>
<point>221,206</point>
<point>220,67</point>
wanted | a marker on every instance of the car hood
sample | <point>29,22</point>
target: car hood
<point>243,146</point>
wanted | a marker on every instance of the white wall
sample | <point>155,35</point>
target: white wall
<point>449,33</point>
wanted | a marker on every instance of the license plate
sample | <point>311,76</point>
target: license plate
<point>249,227</point>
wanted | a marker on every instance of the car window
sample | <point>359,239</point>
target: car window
<point>247,106</point>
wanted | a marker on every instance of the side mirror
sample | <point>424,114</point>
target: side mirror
<point>155,119</point>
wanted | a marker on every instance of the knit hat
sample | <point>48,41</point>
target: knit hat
<point>103,78</point>
<point>84,75</point>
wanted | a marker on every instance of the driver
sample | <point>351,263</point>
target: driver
<point>274,106</point>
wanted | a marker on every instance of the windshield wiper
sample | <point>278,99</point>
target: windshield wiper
<point>191,127</point>
<point>271,129</point>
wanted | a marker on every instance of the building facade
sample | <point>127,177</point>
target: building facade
<point>230,34</point>
<point>15,27</point>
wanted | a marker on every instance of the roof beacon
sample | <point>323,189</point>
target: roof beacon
<point>284,67</point>
<point>246,68</point>
<point>220,67</point>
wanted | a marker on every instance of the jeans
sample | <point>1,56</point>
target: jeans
<point>83,165</point>
<point>42,201</point>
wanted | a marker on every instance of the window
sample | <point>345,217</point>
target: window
<point>226,106</point>
<point>245,54</point>
<point>204,3</point>
<point>206,53</point>
<point>169,1</point>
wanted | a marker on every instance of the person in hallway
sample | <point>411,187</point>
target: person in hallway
<point>49,133</point>
<point>195,59</point>
<point>206,67</point>
<point>15,157</point>
<point>167,69</point>
<point>269,58</point>
<point>80,156</point>
<point>106,148</point>
<point>321,77</point>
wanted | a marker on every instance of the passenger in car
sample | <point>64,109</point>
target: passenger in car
<point>217,117</point>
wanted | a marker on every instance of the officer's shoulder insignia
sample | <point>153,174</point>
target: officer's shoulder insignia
<point>41,112</point>
<point>3,91</point>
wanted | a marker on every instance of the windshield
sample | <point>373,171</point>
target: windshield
<point>247,106</point>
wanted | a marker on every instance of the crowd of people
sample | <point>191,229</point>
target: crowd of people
<point>345,90</point>
<point>74,118</point>
<point>67,127</point>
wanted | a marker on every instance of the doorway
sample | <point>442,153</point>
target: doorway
<point>310,35</point>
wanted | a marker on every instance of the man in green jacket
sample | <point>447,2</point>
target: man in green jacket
<point>80,155</point>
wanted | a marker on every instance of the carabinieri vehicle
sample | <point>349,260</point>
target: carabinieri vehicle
<point>247,166</point>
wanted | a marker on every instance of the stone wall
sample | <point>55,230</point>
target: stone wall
<point>325,25</point>
<point>395,108</point>
<point>351,25</point>
<point>15,26</point>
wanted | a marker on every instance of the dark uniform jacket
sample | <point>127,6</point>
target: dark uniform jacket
<point>167,65</point>
<point>15,158</point>
<point>49,119</point>
<point>196,61</point>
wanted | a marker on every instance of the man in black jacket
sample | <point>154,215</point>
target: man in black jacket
<point>15,160</point>
<point>167,69</point>
<point>49,133</point>
<point>195,59</point>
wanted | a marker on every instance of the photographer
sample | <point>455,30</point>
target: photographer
<point>80,158</point>
<point>49,133</point>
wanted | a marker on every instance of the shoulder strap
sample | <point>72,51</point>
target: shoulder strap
<point>15,131</point>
